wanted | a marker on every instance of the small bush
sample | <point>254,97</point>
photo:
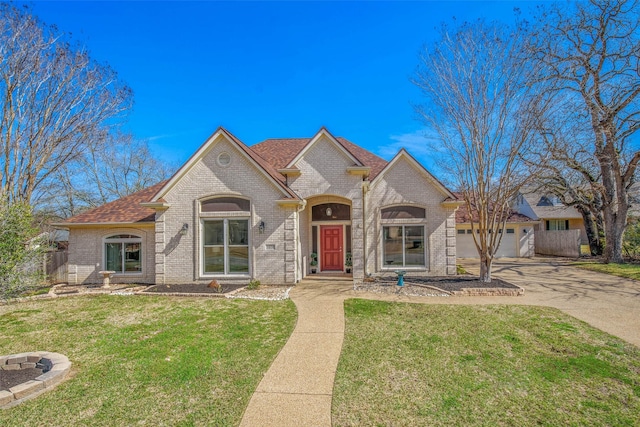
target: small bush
<point>21,250</point>
<point>253,284</point>
<point>460,269</point>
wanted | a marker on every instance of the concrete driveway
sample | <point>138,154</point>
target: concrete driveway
<point>607,302</point>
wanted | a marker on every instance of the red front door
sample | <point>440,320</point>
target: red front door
<point>331,257</point>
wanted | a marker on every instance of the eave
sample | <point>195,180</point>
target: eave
<point>290,171</point>
<point>452,203</point>
<point>103,224</point>
<point>291,202</point>
<point>359,170</point>
<point>159,205</point>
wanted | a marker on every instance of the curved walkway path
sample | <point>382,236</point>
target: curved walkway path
<point>297,389</point>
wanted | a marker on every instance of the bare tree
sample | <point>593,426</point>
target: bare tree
<point>479,105</point>
<point>569,170</point>
<point>590,55</point>
<point>54,102</point>
<point>105,172</point>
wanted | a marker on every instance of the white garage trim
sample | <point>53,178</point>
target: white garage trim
<point>516,242</point>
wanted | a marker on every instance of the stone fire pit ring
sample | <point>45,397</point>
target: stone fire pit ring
<point>55,367</point>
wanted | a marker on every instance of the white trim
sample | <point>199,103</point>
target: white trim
<point>138,239</point>
<point>202,151</point>
<point>225,246</point>
<point>413,162</point>
<point>425,244</point>
<point>316,138</point>
<point>104,224</point>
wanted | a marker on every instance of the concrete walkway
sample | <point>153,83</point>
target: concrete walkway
<point>297,389</point>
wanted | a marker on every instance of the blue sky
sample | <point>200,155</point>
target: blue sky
<point>267,69</point>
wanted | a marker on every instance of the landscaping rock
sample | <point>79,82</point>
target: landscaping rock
<point>6,397</point>
<point>11,367</point>
<point>25,389</point>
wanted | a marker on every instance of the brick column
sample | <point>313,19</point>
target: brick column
<point>290,245</point>
<point>160,244</point>
<point>451,243</point>
<point>357,239</point>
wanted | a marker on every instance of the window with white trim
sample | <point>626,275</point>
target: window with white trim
<point>225,236</point>
<point>403,246</point>
<point>123,254</point>
<point>557,224</point>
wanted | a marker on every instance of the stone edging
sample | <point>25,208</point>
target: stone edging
<point>56,367</point>
<point>489,292</point>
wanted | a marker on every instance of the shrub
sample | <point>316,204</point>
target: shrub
<point>21,251</point>
<point>253,284</point>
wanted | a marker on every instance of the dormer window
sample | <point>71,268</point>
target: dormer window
<point>549,201</point>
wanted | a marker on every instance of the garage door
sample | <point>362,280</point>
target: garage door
<point>465,248</point>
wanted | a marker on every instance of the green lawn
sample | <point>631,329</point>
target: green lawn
<point>630,271</point>
<point>152,361</point>
<point>436,365</point>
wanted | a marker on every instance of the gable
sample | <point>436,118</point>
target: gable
<point>252,158</point>
<point>222,169</point>
<point>283,152</point>
<point>405,172</point>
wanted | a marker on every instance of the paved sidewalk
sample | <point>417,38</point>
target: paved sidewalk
<point>297,389</point>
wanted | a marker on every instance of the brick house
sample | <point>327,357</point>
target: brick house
<point>274,212</point>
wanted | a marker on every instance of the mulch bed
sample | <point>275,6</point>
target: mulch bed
<point>10,379</point>
<point>450,284</point>
<point>192,288</point>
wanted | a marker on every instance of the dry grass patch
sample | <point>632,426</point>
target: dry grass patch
<point>415,364</point>
<point>146,360</point>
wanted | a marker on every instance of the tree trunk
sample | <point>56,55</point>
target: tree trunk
<point>615,223</point>
<point>591,227</point>
<point>485,269</point>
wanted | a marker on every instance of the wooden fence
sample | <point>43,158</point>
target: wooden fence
<point>558,242</point>
<point>56,266</point>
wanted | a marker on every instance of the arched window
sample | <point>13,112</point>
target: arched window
<point>225,204</point>
<point>331,212</point>
<point>123,253</point>
<point>225,237</point>
<point>403,212</point>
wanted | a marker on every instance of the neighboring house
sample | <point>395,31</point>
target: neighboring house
<point>234,212</point>
<point>561,228</point>
<point>517,241</point>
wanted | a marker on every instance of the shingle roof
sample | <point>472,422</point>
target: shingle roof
<point>462,216</point>
<point>270,155</point>
<point>124,210</point>
<point>281,151</point>
<point>546,212</point>
<point>266,166</point>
